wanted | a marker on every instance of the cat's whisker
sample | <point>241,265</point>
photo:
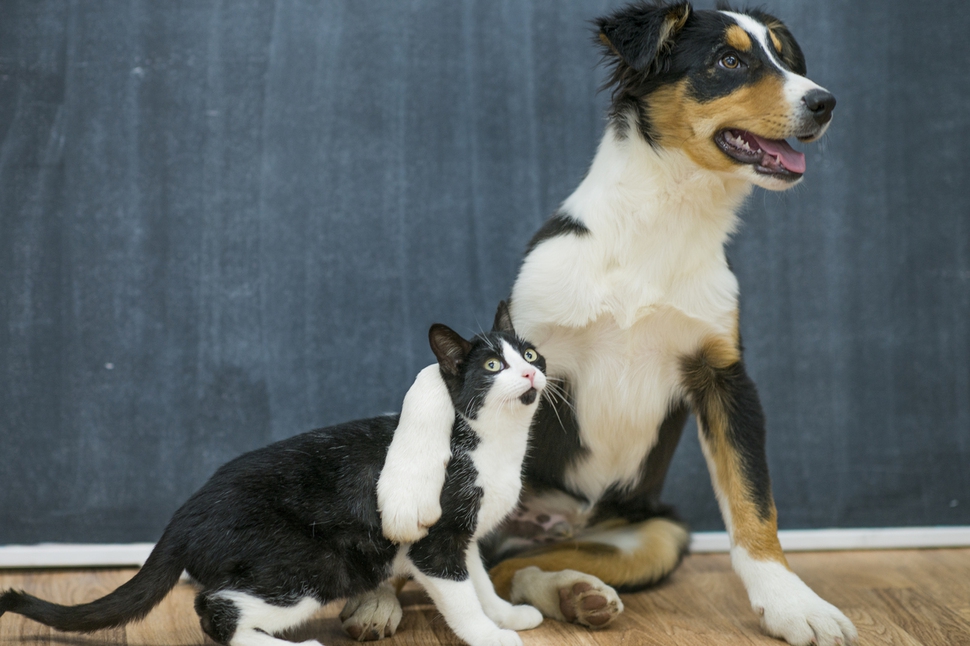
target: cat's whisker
<point>555,410</point>
<point>558,392</point>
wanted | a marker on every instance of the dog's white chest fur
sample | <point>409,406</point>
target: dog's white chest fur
<point>614,310</point>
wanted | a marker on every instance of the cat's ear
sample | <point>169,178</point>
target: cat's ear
<point>503,320</point>
<point>448,347</point>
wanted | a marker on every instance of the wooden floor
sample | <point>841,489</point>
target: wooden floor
<point>894,597</point>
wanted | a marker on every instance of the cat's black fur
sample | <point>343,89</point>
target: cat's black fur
<point>299,518</point>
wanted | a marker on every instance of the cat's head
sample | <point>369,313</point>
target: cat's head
<point>497,369</point>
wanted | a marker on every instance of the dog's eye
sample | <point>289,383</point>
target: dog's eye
<point>730,61</point>
<point>493,365</point>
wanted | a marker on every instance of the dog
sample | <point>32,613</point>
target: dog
<point>627,292</point>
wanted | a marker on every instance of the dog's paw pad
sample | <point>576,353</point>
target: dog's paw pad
<point>584,604</point>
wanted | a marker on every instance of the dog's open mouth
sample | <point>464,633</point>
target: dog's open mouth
<point>772,157</point>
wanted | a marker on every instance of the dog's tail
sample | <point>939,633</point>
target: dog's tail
<point>131,601</point>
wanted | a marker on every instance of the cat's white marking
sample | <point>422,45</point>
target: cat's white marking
<point>502,425</point>
<point>496,608</point>
<point>459,603</point>
<point>259,621</point>
<point>409,498</point>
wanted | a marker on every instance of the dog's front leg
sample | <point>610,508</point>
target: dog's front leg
<point>732,433</point>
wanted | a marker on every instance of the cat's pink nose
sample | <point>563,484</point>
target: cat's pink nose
<point>530,374</point>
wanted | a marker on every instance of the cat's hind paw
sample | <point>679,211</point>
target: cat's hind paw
<point>373,615</point>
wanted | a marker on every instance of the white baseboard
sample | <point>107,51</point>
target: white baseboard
<point>818,540</point>
<point>74,555</point>
<point>59,555</point>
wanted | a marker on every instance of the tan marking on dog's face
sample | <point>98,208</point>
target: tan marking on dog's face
<point>775,42</point>
<point>681,122</point>
<point>738,38</point>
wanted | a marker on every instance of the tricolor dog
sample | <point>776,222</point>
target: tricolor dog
<point>627,293</point>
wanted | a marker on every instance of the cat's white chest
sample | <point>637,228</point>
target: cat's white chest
<point>498,461</point>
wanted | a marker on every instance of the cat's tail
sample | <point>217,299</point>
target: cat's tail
<point>131,601</point>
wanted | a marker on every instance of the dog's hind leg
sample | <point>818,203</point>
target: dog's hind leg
<point>577,580</point>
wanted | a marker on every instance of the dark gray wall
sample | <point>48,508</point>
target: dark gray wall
<point>225,223</point>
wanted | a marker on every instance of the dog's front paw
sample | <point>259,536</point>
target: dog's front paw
<point>805,618</point>
<point>789,609</point>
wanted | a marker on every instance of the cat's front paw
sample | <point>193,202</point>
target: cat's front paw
<point>405,517</point>
<point>372,615</point>
<point>498,638</point>
<point>520,618</point>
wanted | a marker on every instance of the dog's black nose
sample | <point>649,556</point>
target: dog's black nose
<point>820,103</point>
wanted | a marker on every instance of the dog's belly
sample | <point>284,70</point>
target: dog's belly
<point>623,382</point>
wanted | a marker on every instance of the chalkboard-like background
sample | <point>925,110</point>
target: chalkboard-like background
<point>222,223</point>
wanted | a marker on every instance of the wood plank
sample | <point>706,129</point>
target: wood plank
<point>902,598</point>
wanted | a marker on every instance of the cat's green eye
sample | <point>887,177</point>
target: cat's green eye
<point>493,365</point>
<point>530,355</point>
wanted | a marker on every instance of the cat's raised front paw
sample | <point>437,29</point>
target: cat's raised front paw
<point>406,514</point>
<point>372,615</point>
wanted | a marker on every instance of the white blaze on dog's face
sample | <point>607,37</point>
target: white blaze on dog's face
<point>726,88</point>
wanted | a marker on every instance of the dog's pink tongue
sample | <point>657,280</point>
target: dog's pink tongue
<point>784,155</point>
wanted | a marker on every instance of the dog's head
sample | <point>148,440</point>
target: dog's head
<point>727,88</point>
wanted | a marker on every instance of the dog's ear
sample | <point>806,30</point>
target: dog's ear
<point>641,35</point>
<point>503,320</point>
<point>783,41</point>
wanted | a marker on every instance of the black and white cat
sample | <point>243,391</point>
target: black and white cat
<point>280,531</point>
